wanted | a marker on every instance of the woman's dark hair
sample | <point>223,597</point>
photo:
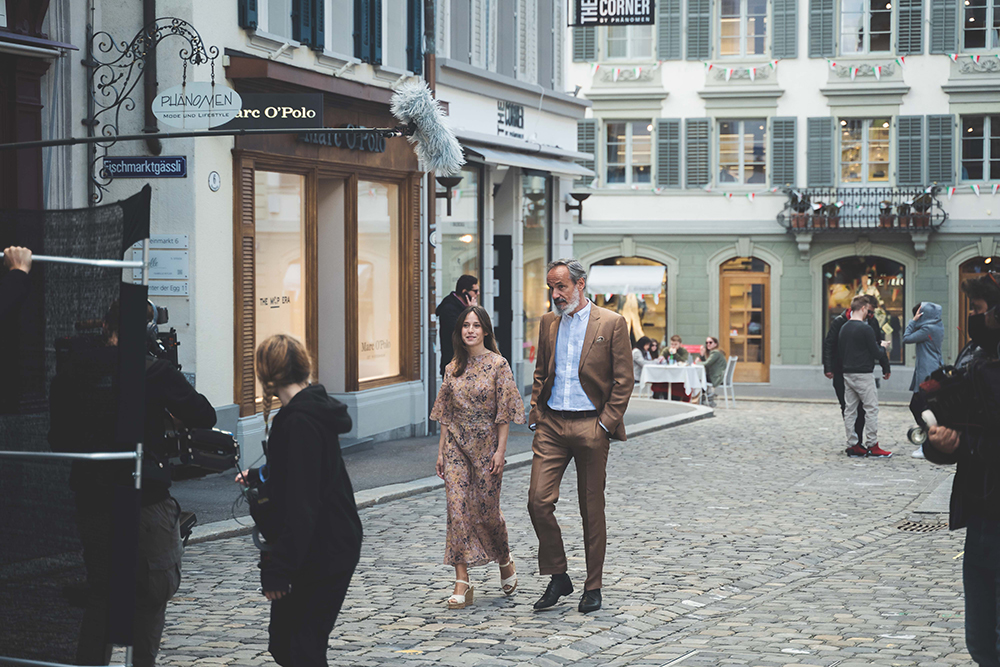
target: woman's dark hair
<point>281,360</point>
<point>466,282</point>
<point>654,348</point>
<point>642,343</point>
<point>984,288</point>
<point>916,308</point>
<point>716,341</point>
<point>461,359</point>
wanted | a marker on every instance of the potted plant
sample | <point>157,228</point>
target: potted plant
<point>800,210</point>
<point>819,216</point>
<point>885,216</point>
<point>903,211</point>
<point>922,210</point>
<point>833,215</point>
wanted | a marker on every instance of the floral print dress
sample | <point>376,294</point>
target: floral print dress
<point>470,408</point>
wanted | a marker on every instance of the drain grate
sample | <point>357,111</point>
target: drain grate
<point>922,526</point>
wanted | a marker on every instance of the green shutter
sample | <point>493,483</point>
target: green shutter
<point>584,45</point>
<point>785,43</point>
<point>319,25</point>
<point>586,142</point>
<point>822,41</point>
<point>415,36</point>
<point>697,145</point>
<point>302,21</point>
<point>362,31</point>
<point>909,28</point>
<point>668,30</point>
<point>376,25</point>
<point>944,26</point>
<point>909,150</point>
<point>819,152</point>
<point>783,152</point>
<point>941,149</point>
<point>699,26</point>
<point>668,153</point>
<point>247,12</point>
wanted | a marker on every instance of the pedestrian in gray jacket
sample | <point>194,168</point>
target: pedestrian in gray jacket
<point>926,331</point>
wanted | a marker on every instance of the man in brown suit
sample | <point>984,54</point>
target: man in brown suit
<point>583,382</point>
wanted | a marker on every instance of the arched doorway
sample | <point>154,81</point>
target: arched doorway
<point>744,323</point>
<point>971,269</point>
<point>885,279</point>
<point>640,297</point>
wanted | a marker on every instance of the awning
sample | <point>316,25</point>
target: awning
<point>512,159</point>
<point>629,279</point>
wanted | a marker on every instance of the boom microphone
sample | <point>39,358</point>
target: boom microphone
<point>433,141</point>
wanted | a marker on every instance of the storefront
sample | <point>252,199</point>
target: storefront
<point>635,288</point>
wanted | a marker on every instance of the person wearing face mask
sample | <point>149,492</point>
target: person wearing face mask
<point>927,333</point>
<point>975,492</point>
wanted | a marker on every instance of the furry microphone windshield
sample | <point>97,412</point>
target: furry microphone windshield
<point>433,141</point>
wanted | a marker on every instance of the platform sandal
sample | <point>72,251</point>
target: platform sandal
<point>508,585</point>
<point>457,601</point>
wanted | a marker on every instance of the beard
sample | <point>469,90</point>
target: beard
<point>567,307</point>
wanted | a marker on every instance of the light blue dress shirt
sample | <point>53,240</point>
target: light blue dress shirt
<point>567,392</point>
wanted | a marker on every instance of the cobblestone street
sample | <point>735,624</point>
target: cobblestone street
<point>747,539</point>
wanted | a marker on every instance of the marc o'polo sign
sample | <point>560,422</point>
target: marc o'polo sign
<point>270,111</point>
<point>614,12</point>
<point>197,105</point>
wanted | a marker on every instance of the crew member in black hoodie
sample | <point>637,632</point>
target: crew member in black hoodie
<point>466,294</point>
<point>858,351</point>
<point>315,537</point>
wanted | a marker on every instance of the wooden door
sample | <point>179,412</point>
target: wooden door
<point>744,325</point>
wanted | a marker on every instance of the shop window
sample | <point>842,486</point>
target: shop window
<point>279,257</point>
<point>536,212</point>
<point>742,27</point>
<point>864,150</point>
<point>970,270</point>
<point>629,147</point>
<point>882,278</point>
<point>981,24</point>
<point>742,153</point>
<point>645,313</point>
<point>980,148</point>
<point>379,325</point>
<point>629,42</point>
<point>865,26</point>
<point>458,239</point>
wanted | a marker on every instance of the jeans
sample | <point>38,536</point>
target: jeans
<point>859,390</point>
<point>981,578</point>
<point>859,424</point>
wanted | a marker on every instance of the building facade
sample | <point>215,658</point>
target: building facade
<point>776,158</point>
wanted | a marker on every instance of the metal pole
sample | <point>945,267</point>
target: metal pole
<point>103,263</point>
<point>145,262</point>
<point>96,456</point>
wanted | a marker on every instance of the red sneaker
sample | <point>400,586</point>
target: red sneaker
<point>857,451</point>
<point>877,452</point>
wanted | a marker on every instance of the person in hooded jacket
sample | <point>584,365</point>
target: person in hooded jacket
<point>315,538</point>
<point>925,331</point>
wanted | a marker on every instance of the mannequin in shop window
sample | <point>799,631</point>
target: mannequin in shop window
<point>633,310</point>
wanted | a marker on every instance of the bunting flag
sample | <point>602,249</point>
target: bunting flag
<point>709,66</point>
<point>854,72</point>
<point>839,204</point>
<point>833,65</point>
<point>901,61</point>
<point>878,72</point>
<point>951,191</point>
<point>975,58</point>
<point>706,187</point>
<point>929,189</point>
<point>638,71</point>
<point>975,188</point>
<point>753,73</point>
<point>953,56</point>
<point>593,68</point>
<point>773,190</point>
<point>996,186</point>
<point>657,190</point>
<point>750,196</point>
<point>773,64</point>
<point>729,195</point>
<point>729,74</point>
<point>617,73</point>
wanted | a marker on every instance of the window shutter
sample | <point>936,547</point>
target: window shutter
<point>415,36</point>
<point>302,21</point>
<point>785,43</point>
<point>584,45</point>
<point>245,298</point>
<point>941,149</point>
<point>362,31</point>
<point>376,26</point>
<point>668,30</point>
<point>909,150</point>
<point>819,152</point>
<point>668,153</point>
<point>822,43</point>
<point>944,26</point>
<point>783,152</point>
<point>699,24</point>
<point>586,142</point>
<point>319,25</point>
<point>247,12</point>
<point>910,34</point>
<point>696,151</point>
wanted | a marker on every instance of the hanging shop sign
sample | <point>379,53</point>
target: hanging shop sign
<point>371,141</point>
<point>197,105</point>
<point>273,111</point>
<point>614,12</point>
<point>161,166</point>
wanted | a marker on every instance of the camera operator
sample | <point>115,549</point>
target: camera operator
<point>83,419</point>
<point>14,285</point>
<point>975,494</point>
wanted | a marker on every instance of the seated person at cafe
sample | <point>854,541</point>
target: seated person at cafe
<point>715,366</point>
<point>641,356</point>
<point>675,353</point>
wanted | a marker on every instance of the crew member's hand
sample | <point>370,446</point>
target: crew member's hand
<point>439,465</point>
<point>242,478</point>
<point>945,440</point>
<point>16,257</point>
<point>496,463</point>
<point>829,376</point>
<point>275,595</point>
<point>886,376</point>
<point>886,344</point>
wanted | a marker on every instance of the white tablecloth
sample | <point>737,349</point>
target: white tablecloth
<point>693,377</point>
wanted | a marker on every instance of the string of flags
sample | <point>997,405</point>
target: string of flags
<point>974,57</point>
<point>751,196</point>
<point>876,69</point>
<point>616,72</point>
<point>751,70</point>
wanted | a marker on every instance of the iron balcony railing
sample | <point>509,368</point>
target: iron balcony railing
<point>850,209</point>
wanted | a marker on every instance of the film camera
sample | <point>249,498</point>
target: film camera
<point>960,397</point>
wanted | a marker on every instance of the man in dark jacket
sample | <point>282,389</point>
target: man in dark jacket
<point>14,285</point>
<point>466,294</point>
<point>858,350</point>
<point>975,493</point>
<point>83,405</point>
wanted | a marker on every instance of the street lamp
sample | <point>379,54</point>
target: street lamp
<point>580,197</point>
<point>448,183</point>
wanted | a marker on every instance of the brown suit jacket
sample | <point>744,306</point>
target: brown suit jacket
<point>605,367</point>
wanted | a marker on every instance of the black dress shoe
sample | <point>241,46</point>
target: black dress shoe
<point>559,586</point>
<point>591,601</point>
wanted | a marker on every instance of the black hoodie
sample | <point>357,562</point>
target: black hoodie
<point>320,531</point>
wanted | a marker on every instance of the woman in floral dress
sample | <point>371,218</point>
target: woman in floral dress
<point>475,406</point>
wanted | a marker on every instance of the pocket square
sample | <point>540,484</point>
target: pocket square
<point>600,339</point>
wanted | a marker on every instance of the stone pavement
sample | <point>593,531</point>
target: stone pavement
<point>748,539</point>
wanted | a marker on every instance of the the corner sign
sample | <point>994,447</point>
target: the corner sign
<point>197,105</point>
<point>614,12</point>
<point>161,166</point>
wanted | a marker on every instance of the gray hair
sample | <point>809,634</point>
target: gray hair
<point>576,270</point>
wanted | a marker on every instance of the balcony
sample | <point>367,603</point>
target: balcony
<point>884,213</point>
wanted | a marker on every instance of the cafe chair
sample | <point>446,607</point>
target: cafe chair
<point>727,381</point>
